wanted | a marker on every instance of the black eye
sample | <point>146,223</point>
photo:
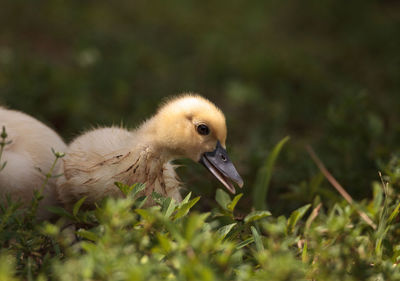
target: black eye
<point>203,129</point>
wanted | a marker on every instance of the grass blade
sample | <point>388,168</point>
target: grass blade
<point>257,239</point>
<point>264,177</point>
<point>295,217</point>
<point>78,205</point>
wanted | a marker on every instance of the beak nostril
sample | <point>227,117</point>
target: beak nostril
<point>218,163</point>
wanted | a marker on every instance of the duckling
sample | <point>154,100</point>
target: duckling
<point>28,157</point>
<point>187,126</point>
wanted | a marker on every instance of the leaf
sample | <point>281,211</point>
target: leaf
<point>378,197</point>
<point>132,190</point>
<point>61,212</point>
<point>168,207</point>
<point>87,235</point>
<point>222,198</point>
<point>123,187</point>
<point>294,218</point>
<point>256,215</point>
<point>137,187</point>
<point>257,239</point>
<point>264,177</point>
<point>231,206</point>
<point>245,243</point>
<point>157,197</point>
<point>140,201</point>
<point>394,214</point>
<point>165,242</point>
<point>145,214</point>
<point>223,231</point>
<point>304,252</point>
<point>50,229</point>
<point>193,224</point>
<point>186,199</point>
<point>184,209</point>
<point>78,205</point>
<point>379,241</point>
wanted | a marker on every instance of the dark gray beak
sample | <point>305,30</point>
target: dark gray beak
<point>218,163</point>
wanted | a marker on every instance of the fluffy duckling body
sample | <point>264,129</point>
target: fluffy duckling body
<point>28,158</point>
<point>188,126</point>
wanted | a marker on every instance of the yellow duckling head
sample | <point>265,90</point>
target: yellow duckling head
<point>190,126</point>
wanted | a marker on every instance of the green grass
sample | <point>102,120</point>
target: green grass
<point>119,240</point>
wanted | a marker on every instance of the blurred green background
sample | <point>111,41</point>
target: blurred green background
<point>326,73</point>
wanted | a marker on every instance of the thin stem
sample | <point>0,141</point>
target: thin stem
<point>338,186</point>
<point>38,194</point>
<point>3,143</point>
<point>50,172</point>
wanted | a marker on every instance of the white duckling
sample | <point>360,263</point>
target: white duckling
<point>188,126</point>
<point>28,158</point>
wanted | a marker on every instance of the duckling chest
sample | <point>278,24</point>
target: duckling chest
<point>157,174</point>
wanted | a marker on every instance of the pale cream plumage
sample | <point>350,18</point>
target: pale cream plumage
<point>101,157</point>
<point>28,157</point>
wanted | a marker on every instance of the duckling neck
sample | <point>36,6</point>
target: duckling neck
<point>155,141</point>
